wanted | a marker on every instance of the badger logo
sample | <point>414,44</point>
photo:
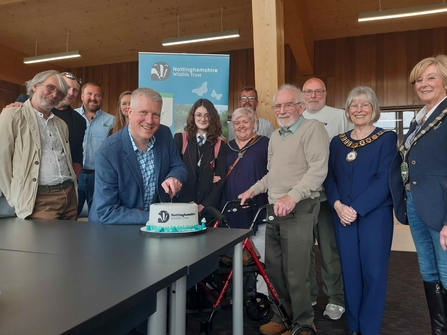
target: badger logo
<point>160,71</point>
<point>163,217</point>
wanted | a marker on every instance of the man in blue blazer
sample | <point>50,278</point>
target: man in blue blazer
<point>137,166</point>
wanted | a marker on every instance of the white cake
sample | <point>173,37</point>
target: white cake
<point>173,217</point>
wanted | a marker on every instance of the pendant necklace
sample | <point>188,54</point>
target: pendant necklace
<point>352,155</point>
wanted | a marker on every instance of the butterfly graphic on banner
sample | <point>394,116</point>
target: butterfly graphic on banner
<point>201,90</point>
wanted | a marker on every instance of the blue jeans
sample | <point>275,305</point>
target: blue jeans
<point>432,259</point>
<point>86,186</point>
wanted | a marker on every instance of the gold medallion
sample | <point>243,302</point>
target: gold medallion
<point>351,156</point>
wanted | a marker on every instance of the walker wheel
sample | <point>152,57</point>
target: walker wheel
<point>303,330</point>
<point>257,306</point>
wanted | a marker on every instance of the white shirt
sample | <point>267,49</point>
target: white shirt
<point>53,163</point>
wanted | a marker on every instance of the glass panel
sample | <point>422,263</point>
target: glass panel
<point>387,120</point>
<point>407,117</point>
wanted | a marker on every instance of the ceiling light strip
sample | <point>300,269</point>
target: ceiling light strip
<point>403,12</point>
<point>51,57</point>
<point>200,37</point>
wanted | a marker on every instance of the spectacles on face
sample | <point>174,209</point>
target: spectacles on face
<point>287,106</point>
<point>72,77</point>
<point>318,93</point>
<point>362,106</point>
<point>245,98</point>
<point>51,89</point>
<point>199,116</point>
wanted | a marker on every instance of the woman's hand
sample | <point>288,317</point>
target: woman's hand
<point>443,238</point>
<point>346,214</point>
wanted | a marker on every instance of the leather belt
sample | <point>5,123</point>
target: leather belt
<point>87,171</point>
<point>51,188</point>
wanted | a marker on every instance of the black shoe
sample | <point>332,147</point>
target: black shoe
<point>350,332</point>
<point>192,301</point>
<point>205,304</point>
<point>434,292</point>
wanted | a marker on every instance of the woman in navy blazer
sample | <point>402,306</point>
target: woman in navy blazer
<point>206,166</point>
<point>418,181</point>
<point>357,190</point>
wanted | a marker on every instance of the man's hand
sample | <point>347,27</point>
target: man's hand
<point>172,186</point>
<point>284,206</point>
<point>14,104</point>
<point>246,195</point>
<point>443,238</point>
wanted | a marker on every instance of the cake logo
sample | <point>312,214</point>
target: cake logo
<point>163,217</point>
<point>160,71</point>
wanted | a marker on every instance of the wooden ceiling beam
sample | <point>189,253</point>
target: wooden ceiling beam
<point>13,70</point>
<point>298,34</point>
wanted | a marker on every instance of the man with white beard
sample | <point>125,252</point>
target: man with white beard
<point>297,164</point>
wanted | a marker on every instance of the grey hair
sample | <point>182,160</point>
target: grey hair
<point>295,89</point>
<point>149,93</point>
<point>370,95</point>
<point>41,77</point>
<point>243,111</point>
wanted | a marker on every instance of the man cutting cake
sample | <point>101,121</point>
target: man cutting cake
<point>137,166</point>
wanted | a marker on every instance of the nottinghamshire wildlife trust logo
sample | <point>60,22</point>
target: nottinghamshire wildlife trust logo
<point>163,217</point>
<point>160,71</point>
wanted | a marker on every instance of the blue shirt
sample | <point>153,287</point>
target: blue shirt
<point>146,160</point>
<point>96,132</point>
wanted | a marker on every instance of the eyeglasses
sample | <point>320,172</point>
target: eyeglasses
<point>287,107</point>
<point>318,93</point>
<point>363,105</point>
<point>72,77</point>
<point>199,116</point>
<point>250,98</point>
<point>51,89</point>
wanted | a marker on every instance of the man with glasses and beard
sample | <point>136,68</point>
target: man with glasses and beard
<point>36,173</point>
<point>297,164</point>
<point>335,122</point>
<point>75,122</point>
<point>99,124</point>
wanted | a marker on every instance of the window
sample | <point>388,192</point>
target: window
<point>397,119</point>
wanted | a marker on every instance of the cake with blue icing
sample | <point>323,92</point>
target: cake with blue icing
<point>173,218</point>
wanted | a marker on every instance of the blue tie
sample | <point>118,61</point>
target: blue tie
<point>200,140</point>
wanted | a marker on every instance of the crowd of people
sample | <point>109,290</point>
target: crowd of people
<point>325,175</point>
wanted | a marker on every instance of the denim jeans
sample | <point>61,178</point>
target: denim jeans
<point>86,186</point>
<point>432,259</point>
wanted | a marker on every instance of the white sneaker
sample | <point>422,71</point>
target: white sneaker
<point>333,312</point>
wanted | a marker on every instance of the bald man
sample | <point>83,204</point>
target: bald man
<point>335,122</point>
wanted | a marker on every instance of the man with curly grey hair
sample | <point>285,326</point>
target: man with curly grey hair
<point>36,174</point>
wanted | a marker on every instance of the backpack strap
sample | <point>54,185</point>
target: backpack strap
<point>217,147</point>
<point>184,142</point>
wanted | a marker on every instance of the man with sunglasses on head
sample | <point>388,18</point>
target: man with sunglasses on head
<point>335,122</point>
<point>36,173</point>
<point>249,98</point>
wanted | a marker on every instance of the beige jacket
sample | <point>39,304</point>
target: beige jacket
<point>20,153</point>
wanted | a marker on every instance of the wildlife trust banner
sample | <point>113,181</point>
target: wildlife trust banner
<point>182,79</point>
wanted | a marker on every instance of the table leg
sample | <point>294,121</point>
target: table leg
<point>177,307</point>
<point>156,324</point>
<point>238,291</point>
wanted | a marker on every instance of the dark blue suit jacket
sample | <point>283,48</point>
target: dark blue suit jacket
<point>427,163</point>
<point>118,195</point>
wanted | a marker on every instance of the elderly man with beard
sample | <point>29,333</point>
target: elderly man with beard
<point>99,124</point>
<point>36,174</point>
<point>297,164</point>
